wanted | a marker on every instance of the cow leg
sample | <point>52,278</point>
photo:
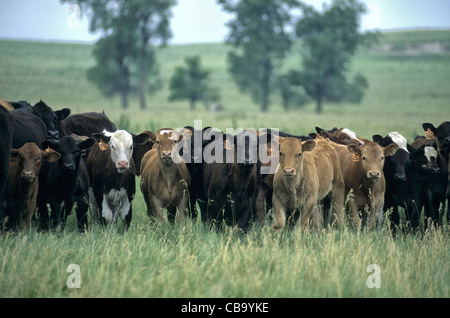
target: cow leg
<point>156,209</point>
<point>355,220</point>
<point>81,209</point>
<point>279,214</point>
<point>43,218</point>
<point>128,216</point>
<point>182,206</point>
<point>307,211</point>
<point>94,207</point>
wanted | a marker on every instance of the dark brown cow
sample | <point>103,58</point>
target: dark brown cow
<point>362,169</point>
<point>23,175</point>
<point>5,154</point>
<point>165,180</point>
<point>308,172</point>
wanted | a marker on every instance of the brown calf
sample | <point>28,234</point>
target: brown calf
<point>165,180</point>
<point>362,169</point>
<point>23,175</point>
<point>308,172</point>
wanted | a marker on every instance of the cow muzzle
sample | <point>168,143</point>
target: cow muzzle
<point>28,175</point>
<point>288,171</point>
<point>122,166</point>
<point>373,175</point>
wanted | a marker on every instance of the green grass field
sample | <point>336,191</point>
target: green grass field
<point>187,260</point>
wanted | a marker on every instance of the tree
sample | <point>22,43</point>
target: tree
<point>191,82</point>
<point>142,25</point>
<point>330,39</point>
<point>261,34</point>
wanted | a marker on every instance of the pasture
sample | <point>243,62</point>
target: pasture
<point>190,261</point>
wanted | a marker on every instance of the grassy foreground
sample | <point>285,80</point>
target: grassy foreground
<point>187,260</point>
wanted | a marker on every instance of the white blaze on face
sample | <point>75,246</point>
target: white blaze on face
<point>352,135</point>
<point>399,140</point>
<point>121,145</point>
<point>430,152</point>
<point>170,132</point>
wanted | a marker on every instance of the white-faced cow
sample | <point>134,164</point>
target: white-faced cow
<point>112,175</point>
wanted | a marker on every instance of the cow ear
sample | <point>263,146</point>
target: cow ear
<point>308,145</point>
<point>49,144</point>
<point>100,136</point>
<point>378,139</point>
<point>151,134</point>
<point>141,139</point>
<point>14,152</point>
<point>354,149</point>
<point>389,150</point>
<point>50,155</point>
<point>88,143</point>
<point>319,130</point>
<point>62,113</point>
<point>326,134</point>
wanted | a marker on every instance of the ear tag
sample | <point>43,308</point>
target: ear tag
<point>48,149</point>
<point>272,152</point>
<point>103,145</point>
<point>355,157</point>
<point>429,134</point>
<point>227,144</point>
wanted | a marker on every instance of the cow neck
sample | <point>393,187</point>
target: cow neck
<point>240,174</point>
<point>169,173</point>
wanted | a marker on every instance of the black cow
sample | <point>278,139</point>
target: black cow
<point>50,117</point>
<point>232,185</point>
<point>27,128</point>
<point>442,137</point>
<point>86,124</point>
<point>425,184</point>
<point>396,193</point>
<point>5,155</point>
<point>59,182</point>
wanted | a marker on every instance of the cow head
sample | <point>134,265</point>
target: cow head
<point>343,136</point>
<point>424,160</point>
<point>371,157</point>
<point>70,150</point>
<point>50,117</point>
<point>442,134</point>
<point>398,162</point>
<point>291,155</point>
<point>120,144</point>
<point>166,146</point>
<point>28,160</point>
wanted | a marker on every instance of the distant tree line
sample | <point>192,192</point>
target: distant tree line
<point>261,34</point>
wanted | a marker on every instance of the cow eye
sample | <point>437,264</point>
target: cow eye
<point>174,141</point>
<point>382,158</point>
<point>299,154</point>
<point>364,158</point>
<point>131,147</point>
<point>157,142</point>
<point>281,154</point>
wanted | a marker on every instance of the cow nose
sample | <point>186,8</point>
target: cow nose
<point>122,164</point>
<point>374,174</point>
<point>289,171</point>
<point>400,177</point>
<point>28,174</point>
<point>447,141</point>
<point>434,169</point>
<point>53,134</point>
<point>69,166</point>
<point>166,154</point>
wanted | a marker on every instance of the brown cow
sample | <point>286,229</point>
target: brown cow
<point>362,169</point>
<point>342,136</point>
<point>308,172</point>
<point>165,180</point>
<point>23,175</point>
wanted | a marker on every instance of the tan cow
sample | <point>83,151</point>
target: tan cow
<point>23,175</point>
<point>165,180</point>
<point>308,172</point>
<point>362,169</point>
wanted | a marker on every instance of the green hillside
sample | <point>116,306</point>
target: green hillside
<point>404,89</point>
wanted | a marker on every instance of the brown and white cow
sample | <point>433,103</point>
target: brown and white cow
<point>308,172</point>
<point>362,169</point>
<point>24,181</point>
<point>165,180</point>
<point>342,136</point>
<point>112,175</point>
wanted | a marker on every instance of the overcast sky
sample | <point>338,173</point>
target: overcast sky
<point>198,21</point>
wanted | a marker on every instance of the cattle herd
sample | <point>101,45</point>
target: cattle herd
<point>83,162</point>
